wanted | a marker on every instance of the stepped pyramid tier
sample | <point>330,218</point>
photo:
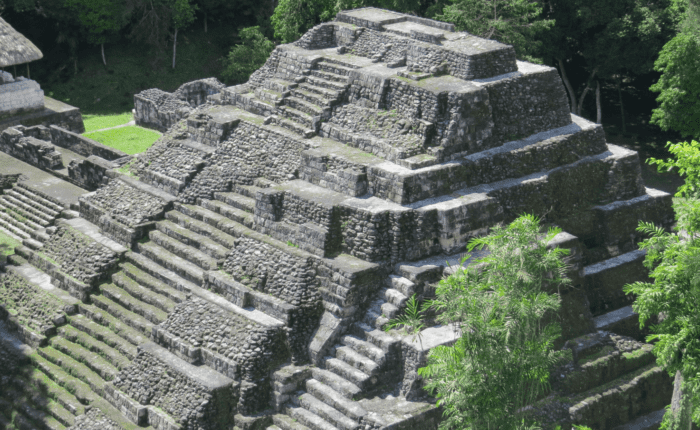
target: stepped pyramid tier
<point>239,273</point>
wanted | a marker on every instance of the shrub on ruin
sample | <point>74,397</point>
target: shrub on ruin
<point>248,56</point>
<point>674,296</point>
<point>504,354</point>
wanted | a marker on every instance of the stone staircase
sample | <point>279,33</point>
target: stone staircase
<point>356,369</point>
<point>612,381</point>
<point>24,211</point>
<point>303,104</point>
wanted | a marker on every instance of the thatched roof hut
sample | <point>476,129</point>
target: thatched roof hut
<point>15,48</point>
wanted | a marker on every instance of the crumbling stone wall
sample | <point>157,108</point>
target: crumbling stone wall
<point>20,95</point>
<point>78,255</point>
<point>195,92</point>
<point>250,152</point>
<point>128,205</point>
<point>158,109</point>
<point>29,149</point>
<point>151,382</point>
<point>320,36</point>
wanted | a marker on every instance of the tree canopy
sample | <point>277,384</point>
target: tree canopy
<point>502,359</point>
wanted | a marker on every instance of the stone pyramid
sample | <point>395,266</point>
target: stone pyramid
<point>237,275</point>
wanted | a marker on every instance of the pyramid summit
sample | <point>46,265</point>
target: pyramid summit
<point>237,275</point>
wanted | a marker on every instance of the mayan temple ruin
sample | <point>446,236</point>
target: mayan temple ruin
<point>237,275</point>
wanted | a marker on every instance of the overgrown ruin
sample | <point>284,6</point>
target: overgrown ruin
<point>237,274</point>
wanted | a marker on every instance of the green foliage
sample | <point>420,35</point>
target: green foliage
<point>411,321</point>
<point>678,86</point>
<point>248,56</point>
<point>674,296</point>
<point>183,12</point>
<point>502,360</point>
<point>98,122</point>
<point>688,164</point>
<point>130,139</point>
<point>292,18</point>
<point>515,22</point>
<point>100,18</point>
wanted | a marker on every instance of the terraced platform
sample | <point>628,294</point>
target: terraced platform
<point>239,273</point>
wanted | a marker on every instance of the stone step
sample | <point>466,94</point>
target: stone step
<point>247,190</point>
<point>156,286</point>
<point>32,195</point>
<point>35,377</point>
<point>113,356</point>
<point>146,295</point>
<point>365,348</point>
<point>336,400</point>
<point>268,95</point>
<point>295,127</point>
<point>316,98</point>
<point>221,208</point>
<point>159,272</point>
<point>237,201</point>
<point>401,284</point>
<point>310,419</point>
<point>603,281</point>
<point>327,412</point>
<point>201,228</point>
<point>133,304</point>
<point>103,334</point>
<point>70,382</point>
<point>122,314</point>
<point>278,85</point>
<point>325,92</point>
<point>60,414</point>
<point>650,421</point>
<point>13,226</point>
<point>379,338</point>
<point>350,373</point>
<point>302,105</point>
<point>90,359</point>
<point>321,79</point>
<point>357,360</point>
<point>606,365</point>
<point>32,213</point>
<point>624,321</point>
<point>172,262</point>
<point>35,418</point>
<point>17,219</point>
<point>375,319</point>
<point>285,422</point>
<point>623,399</point>
<point>102,318</point>
<point>332,72</point>
<point>48,211</point>
<point>395,297</point>
<point>341,385</point>
<point>305,119</point>
<point>74,368</point>
<point>191,239</point>
<point>186,252</point>
<point>390,311</point>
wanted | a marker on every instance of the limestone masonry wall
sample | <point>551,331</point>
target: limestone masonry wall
<point>151,382</point>
<point>33,151</point>
<point>21,95</point>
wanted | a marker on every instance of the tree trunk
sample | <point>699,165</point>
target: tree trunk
<point>75,65</point>
<point>681,408</point>
<point>585,91</point>
<point>622,107</point>
<point>28,75</point>
<point>205,22</point>
<point>104,60</point>
<point>174,46</point>
<point>569,88</point>
<point>599,114</point>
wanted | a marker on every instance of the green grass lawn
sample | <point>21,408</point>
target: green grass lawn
<point>98,122</point>
<point>7,246</point>
<point>131,139</point>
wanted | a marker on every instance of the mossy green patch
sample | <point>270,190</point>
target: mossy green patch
<point>98,122</point>
<point>130,139</point>
<point>7,246</point>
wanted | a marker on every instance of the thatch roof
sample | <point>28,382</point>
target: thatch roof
<point>15,48</point>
